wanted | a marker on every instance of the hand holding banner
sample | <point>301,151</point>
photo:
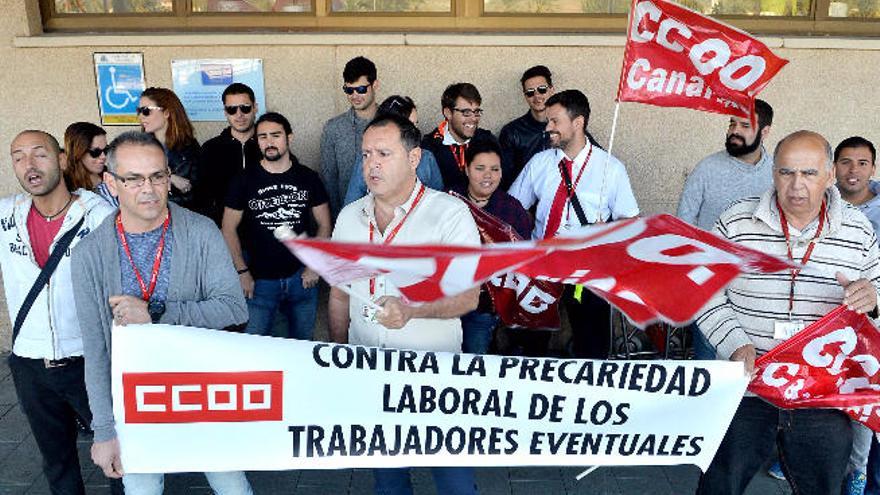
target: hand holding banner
<point>676,57</point>
<point>830,364</point>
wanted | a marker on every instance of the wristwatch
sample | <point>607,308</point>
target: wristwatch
<point>156,310</point>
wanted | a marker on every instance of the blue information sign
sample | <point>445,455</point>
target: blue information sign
<point>200,83</point>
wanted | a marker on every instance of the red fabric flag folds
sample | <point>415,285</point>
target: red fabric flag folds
<point>830,364</point>
<point>676,57</point>
<point>653,269</point>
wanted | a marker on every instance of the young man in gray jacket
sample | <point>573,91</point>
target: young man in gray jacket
<point>151,263</point>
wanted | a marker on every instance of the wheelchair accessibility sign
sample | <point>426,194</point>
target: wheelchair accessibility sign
<point>120,82</point>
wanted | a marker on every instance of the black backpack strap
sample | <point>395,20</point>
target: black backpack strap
<point>43,277</point>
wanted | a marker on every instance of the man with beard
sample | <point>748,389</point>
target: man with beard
<point>742,170</point>
<point>280,192</point>
<point>449,141</point>
<point>47,348</point>
<point>234,150</point>
<point>576,183</point>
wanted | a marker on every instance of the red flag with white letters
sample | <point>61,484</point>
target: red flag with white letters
<point>520,301</point>
<point>653,269</point>
<point>676,57</point>
<point>830,364</point>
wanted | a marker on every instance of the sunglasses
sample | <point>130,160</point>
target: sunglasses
<point>233,109</point>
<point>146,110</point>
<point>96,152</point>
<point>542,89</point>
<point>361,90</point>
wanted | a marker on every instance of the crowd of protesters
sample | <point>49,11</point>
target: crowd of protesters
<point>154,228</point>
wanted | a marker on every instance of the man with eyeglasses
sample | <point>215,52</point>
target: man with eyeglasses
<point>461,123</point>
<point>47,348</point>
<point>278,192</point>
<point>153,262</point>
<point>234,150</point>
<point>341,139</point>
<point>524,136</point>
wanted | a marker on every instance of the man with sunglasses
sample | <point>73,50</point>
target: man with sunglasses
<point>341,139</point>
<point>449,141</point>
<point>524,136</point>
<point>47,348</point>
<point>234,150</point>
<point>153,262</point>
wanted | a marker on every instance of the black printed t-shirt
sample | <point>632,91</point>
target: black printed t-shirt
<point>267,201</point>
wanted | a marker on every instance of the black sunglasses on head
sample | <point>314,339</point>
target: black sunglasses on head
<point>96,152</point>
<point>361,90</point>
<point>542,89</point>
<point>232,109</point>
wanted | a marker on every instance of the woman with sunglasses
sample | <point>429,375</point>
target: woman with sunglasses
<point>161,114</point>
<point>427,171</point>
<point>86,146</point>
<point>483,173</point>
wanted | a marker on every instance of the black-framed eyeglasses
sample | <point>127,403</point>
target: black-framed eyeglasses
<point>467,112</point>
<point>96,152</point>
<point>138,181</point>
<point>233,109</point>
<point>361,90</point>
<point>146,110</point>
<point>542,89</point>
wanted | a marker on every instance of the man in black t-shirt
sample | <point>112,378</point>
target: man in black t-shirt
<point>279,192</point>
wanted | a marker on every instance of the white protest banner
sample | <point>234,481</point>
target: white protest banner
<point>189,399</point>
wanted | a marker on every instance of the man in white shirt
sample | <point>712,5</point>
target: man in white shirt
<point>576,183</point>
<point>401,210</point>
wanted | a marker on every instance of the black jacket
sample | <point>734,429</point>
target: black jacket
<point>185,162</point>
<point>446,161</point>
<point>223,157</point>
<point>520,139</point>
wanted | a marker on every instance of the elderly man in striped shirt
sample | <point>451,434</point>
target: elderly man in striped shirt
<point>804,218</point>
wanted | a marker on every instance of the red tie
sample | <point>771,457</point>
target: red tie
<point>554,219</point>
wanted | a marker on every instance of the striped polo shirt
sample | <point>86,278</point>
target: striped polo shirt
<point>745,312</point>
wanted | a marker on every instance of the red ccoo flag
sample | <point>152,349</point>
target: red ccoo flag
<point>676,57</point>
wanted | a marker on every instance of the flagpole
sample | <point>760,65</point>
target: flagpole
<point>585,473</point>
<point>608,157</point>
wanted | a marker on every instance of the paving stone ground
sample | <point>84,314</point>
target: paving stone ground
<point>20,472</point>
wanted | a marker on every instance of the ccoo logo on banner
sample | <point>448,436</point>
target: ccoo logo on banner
<point>676,57</point>
<point>190,399</point>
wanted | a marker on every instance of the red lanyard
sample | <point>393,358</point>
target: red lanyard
<point>459,155</point>
<point>796,271</point>
<point>154,277</point>
<point>394,232</point>
<point>573,188</point>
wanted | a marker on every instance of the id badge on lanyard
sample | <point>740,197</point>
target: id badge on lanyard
<point>784,330</point>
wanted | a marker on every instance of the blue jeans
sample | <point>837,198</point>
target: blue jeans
<point>814,447</point>
<point>449,481</point>
<point>299,305</point>
<point>873,487</point>
<point>476,329</point>
<point>224,483</point>
<point>702,348</point>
